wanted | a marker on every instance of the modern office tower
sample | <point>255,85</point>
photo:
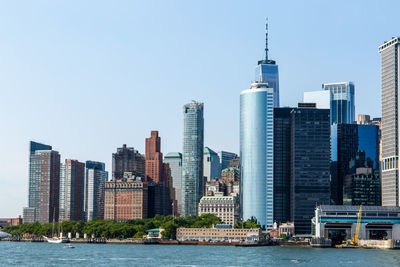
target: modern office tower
<point>282,152</point>
<point>346,141</point>
<point>362,186</point>
<point>192,158</point>
<point>153,158</point>
<point>310,161</point>
<point>390,58</point>
<point>72,174</point>
<point>224,207</point>
<point>257,153</point>
<point>338,97</point>
<point>44,182</point>
<point>127,159</point>
<point>364,119</point>
<point>159,200</point>
<point>125,199</point>
<point>211,165</point>
<point>342,101</point>
<point>95,179</point>
<point>267,71</point>
<point>174,159</point>
<point>225,158</point>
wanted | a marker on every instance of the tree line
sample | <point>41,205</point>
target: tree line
<point>130,229</point>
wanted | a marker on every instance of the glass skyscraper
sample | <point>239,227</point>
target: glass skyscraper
<point>192,158</point>
<point>256,153</point>
<point>341,101</point>
<point>174,159</point>
<point>390,58</point>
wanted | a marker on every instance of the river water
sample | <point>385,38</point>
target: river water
<point>45,254</point>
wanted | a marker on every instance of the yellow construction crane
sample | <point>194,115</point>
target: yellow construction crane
<point>355,238</point>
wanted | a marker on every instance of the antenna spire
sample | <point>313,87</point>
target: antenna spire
<point>266,39</point>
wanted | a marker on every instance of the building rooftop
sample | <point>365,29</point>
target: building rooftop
<point>333,208</point>
<point>208,150</point>
<point>230,169</point>
<point>174,155</point>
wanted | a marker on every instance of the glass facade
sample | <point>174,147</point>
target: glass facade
<point>341,101</point>
<point>174,160</point>
<point>95,179</point>
<point>192,157</point>
<point>256,153</point>
<point>267,72</point>
<point>225,158</point>
<point>211,165</point>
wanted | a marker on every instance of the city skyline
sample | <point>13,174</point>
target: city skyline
<point>30,78</point>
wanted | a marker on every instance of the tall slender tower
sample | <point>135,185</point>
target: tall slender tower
<point>192,160</point>
<point>390,60</point>
<point>267,70</point>
<point>154,158</point>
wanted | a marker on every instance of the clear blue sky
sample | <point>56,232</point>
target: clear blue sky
<point>89,76</point>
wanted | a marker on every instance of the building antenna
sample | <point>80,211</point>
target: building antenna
<point>266,39</point>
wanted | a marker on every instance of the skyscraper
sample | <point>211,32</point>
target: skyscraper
<point>338,97</point>
<point>211,165</point>
<point>390,58</point>
<point>127,159</point>
<point>257,153</point>
<point>174,159</point>
<point>310,162</point>
<point>153,158</point>
<point>95,179</point>
<point>44,182</point>
<point>225,158</point>
<point>71,190</point>
<point>192,158</point>
<point>267,70</point>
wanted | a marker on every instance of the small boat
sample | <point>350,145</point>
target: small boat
<point>68,246</point>
<point>56,240</point>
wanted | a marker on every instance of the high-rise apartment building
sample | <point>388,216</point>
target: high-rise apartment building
<point>44,182</point>
<point>211,165</point>
<point>282,152</point>
<point>225,158</point>
<point>310,162</point>
<point>127,159</point>
<point>338,97</point>
<point>192,158</point>
<point>72,174</point>
<point>267,71</point>
<point>125,199</point>
<point>174,159</point>
<point>95,179</point>
<point>257,153</point>
<point>390,60</point>
<point>154,158</point>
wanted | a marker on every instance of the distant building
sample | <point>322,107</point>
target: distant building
<point>95,179</point>
<point>72,174</point>
<point>192,157</point>
<point>44,182</point>
<point>211,165</point>
<point>174,159</point>
<point>218,233</point>
<point>225,158</point>
<point>224,207</point>
<point>390,57</point>
<point>10,221</point>
<point>159,200</point>
<point>310,161</point>
<point>338,97</point>
<point>154,158</point>
<point>125,199</point>
<point>257,153</point>
<point>127,159</point>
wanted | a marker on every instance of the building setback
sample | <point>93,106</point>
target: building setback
<point>71,190</point>
<point>127,159</point>
<point>95,179</point>
<point>174,159</point>
<point>390,57</point>
<point>153,158</point>
<point>310,161</point>
<point>44,182</point>
<point>125,199</point>
<point>192,157</point>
